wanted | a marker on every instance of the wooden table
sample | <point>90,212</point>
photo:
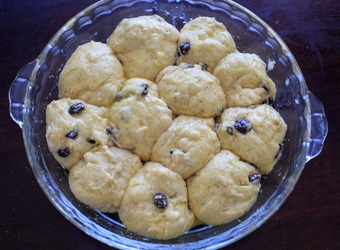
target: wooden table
<point>309,219</point>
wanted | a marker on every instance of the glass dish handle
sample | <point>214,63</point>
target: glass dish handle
<point>319,127</point>
<point>17,92</point>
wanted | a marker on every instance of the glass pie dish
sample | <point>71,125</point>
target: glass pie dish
<point>36,85</point>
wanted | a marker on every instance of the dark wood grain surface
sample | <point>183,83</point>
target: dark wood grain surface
<point>310,217</point>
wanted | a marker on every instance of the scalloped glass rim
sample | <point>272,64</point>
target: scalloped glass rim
<point>251,35</point>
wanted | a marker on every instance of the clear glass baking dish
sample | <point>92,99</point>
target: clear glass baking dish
<point>35,87</point>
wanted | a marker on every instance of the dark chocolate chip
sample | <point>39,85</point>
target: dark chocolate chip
<point>184,48</point>
<point>76,108</point>
<point>255,178</point>
<point>63,152</point>
<point>243,126</point>
<point>160,200</point>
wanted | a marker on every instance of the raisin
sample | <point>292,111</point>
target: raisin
<point>243,126</point>
<point>160,200</point>
<point>255,178</point>
<point>265,86</point>
<point>145,89</point>
<point>76,108</point>
<point>184,48</point>
<point>72,134</point>
<point>90,140</point>
<point>63,152</point>
<point>112,132</point>
<point>109,129</point>
<point>230,131</point>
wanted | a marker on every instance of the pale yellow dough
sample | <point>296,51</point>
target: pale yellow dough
<point>188,90</point>
<point>102,176</point>
<point>92,74</point>
<point>139,213</point>
<point>145,45</point>
<point>139,119</point>
<point>259,146</point>
<point>187,145</point>
<point>89,124</point>
<point>221,191</point>
<point>181,115</point>
<point>244,80</point>
<point>209,42</point>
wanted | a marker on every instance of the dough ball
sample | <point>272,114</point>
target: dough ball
<point>155,203</point>
<point>140,118</point>
<point>92,74</point>
<point>137,88</point>
<point>223,190</point>
<point>102,176</point>
<point>187,145</point>
<point>255,134</point>
<point>204,41</point>
<point>188,90</point>
<point>73,127</point>
<point>145,45</point>
<point>244,80</point>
